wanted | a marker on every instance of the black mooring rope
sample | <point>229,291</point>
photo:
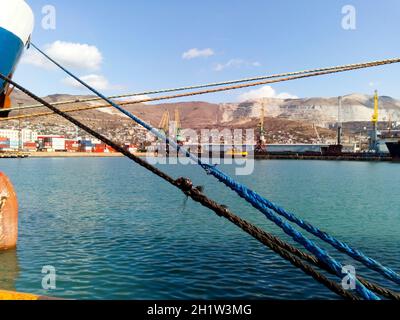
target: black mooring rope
<point>280,247</point>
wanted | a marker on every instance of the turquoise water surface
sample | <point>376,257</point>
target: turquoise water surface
<point>114,231</point>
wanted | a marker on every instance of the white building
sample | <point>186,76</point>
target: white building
<point>29,135</point>
<point>14,136</point>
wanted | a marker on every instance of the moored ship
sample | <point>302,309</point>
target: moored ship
<point>394,149</point>
<point>16,26</point>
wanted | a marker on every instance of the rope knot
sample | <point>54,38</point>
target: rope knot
<point>184,184</point>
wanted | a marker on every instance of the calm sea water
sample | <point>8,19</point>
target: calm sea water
<point>114,231</point>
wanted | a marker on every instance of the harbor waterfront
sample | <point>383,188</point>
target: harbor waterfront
<point>239,155</point>
<point>190,170</point>
<point>111,234</point>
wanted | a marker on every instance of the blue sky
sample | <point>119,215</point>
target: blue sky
<point>142,44</point>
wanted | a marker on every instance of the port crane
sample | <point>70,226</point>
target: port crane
<point>164,128</point>
<point>178,128</point>
<point>340,123</point>
<point>164,123</point>
<point>175,130</point>
<point>261,141</point>
<point>374,142</point>
<point>169,127</point>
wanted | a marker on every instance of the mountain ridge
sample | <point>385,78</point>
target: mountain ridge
<point>296,119</point>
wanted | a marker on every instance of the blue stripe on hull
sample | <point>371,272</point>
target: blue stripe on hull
<point>11,48</point>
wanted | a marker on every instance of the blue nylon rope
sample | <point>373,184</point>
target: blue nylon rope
<point>289,230</point>
<point>341,246</point>
<point>252,197</point>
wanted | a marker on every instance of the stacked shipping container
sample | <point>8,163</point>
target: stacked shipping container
<point>4,144</point>
<point>51,143</point>
<point>86,146</point>
<point>30,146</point>
<point>71,146</point>
<point>59,144</point>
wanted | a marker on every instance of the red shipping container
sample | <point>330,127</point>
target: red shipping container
<point>99,148</point>
<point>30,144</point>
<point>71,145</point>
<point>111,149</point>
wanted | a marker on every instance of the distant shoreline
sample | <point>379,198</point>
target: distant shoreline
<point>80,155</point>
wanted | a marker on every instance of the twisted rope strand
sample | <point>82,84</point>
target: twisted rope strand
<point>288,229</point>
<point>213,84</point>
<point>187,188</point>
<point>298,75</point>
<point>252,197</point>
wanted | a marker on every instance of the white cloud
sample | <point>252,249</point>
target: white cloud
<point>99,82</point>
<point>71,55</point>
<point>34,58</point>
<point>236,63</point>
<point>265,92</point>
<point>197,53</point>
<point>229,64</point>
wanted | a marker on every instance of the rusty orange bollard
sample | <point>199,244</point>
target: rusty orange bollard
<point>8,214</point>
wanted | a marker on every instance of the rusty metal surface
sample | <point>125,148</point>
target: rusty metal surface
<point>8,214</point>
